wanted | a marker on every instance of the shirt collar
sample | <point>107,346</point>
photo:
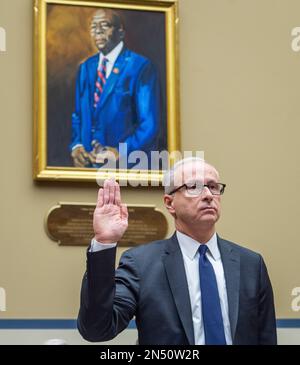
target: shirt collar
<point>190,247</point>
<point>112,55</point>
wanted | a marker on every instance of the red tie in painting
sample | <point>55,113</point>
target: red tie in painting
<point>100,82</point>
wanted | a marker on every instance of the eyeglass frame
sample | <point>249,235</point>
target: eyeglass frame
<point>202,185</point>
<point>102,25</point>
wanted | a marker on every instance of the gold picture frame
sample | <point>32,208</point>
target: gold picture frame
<point>62,43</point>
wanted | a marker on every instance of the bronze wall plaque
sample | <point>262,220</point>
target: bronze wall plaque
<point>71,224</point>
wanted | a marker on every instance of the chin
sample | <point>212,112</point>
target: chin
<point>209,218</point>
<point>208,221</point>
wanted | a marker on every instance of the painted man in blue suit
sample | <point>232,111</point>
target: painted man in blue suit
<point>117,97</point>
<point>193,288</point>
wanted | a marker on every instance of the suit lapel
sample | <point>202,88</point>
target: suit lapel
<point>114,76</point>
<point>174,267</point>
<point>92,74</point>
<point>231,265</point>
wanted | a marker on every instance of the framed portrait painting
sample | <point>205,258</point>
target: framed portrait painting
<point>105,89</point>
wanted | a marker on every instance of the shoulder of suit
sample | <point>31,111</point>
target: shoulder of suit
<point>136,57</point>
<point>240,248</point>
<point>90,60</point>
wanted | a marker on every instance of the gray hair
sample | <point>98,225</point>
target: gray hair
<point>169,182</point>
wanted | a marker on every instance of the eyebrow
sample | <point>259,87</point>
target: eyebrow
<point>195,181</point>
<point>100,21</point>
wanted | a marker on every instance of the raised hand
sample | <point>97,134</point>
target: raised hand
<point>110,216</point>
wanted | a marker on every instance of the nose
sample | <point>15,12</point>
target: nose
<point>98,30</point>
<point>206,194</point>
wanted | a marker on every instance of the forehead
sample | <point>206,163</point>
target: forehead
<point>199,171</point>
<point>102,15</point>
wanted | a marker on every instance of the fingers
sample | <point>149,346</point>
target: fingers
<point>84,153</point>
<point>106,192</point>
<point>92,157</point>
<point>117,194</point>
<point>111,192</point>
<point>100,198</point>
<point>77,163</point>
<point>80,157</point>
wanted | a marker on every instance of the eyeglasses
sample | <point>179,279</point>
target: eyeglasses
<point>197,188</point>
<point>102,26</point>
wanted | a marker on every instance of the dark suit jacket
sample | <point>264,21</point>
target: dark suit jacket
<point>151,284</point>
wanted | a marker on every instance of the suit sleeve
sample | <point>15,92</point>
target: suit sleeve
<point>148,110</point>
<point>267,318</point>
<point>108,298</point>
<point>76,115</point>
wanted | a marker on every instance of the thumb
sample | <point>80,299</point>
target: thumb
<point>124,211</point>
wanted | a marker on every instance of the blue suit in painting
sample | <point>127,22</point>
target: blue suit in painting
<point>129,108</point>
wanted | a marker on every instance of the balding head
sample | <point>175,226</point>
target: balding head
<point>110,15</point>
<point>186,169</point>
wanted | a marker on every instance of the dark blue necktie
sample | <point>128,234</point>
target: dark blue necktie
<point>211,308</point>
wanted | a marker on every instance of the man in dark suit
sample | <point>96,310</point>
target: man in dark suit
<point>117,98</point>
<point>193,288</point>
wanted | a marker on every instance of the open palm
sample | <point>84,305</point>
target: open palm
<point>110,216</point>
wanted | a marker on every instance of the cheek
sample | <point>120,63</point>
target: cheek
<point>218,204</point>
<point>189,206</point>
<point>112,35</point>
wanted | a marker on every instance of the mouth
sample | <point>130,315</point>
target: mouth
<point>208,209</point>
<point>100,41</point>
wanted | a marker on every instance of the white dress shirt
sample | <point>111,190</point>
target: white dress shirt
<point>111,58</point>
<point>189,248</point>
<point>98,246</point>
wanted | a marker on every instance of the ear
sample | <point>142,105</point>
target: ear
<point>121,33</point>
<point>168,200</point>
